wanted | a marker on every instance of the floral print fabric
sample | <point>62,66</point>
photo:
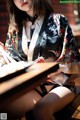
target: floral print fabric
<point>60,39</point>
<point>57,37</point>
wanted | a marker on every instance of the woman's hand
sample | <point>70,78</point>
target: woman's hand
<point>3,58</point>
<point>52,75</point>
<point>57,77</point>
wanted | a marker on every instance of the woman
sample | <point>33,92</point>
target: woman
<point>35,31</point>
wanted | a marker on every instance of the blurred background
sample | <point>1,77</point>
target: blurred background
<point>71,11</point>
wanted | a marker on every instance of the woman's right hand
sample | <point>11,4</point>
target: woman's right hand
<point>3,59</point>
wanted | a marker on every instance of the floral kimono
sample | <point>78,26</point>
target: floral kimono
<point>54,35</point>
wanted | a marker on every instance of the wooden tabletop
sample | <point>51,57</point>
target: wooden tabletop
<point>36,70</point>
<point>73,68</point>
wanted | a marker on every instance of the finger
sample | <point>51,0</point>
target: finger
<point>54,73</point>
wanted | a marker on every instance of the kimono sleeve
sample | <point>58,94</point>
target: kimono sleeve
<point>69,51</point>
<point>12,46</point>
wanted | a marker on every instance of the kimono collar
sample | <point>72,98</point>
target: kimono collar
<point>32,19</point>
<point>29,51</point>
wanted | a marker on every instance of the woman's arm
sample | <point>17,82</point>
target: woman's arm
<point>69,51</point>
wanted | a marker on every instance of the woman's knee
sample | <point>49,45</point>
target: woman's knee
<point>44,109</point>
<point>39,108</point>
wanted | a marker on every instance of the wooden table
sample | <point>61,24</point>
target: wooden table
<point>73,68</point>
<point>15,88</point>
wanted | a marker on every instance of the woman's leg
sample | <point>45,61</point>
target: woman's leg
<point>54,101</point>
<point>22,104</point>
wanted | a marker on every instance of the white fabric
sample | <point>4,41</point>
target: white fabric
<point>29,52</point>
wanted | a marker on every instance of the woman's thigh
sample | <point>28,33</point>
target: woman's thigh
<point>61,96</point>
<point>22,104</point>
<point>55,100</point>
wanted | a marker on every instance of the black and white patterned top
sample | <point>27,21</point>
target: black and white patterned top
<point>55,35</point>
